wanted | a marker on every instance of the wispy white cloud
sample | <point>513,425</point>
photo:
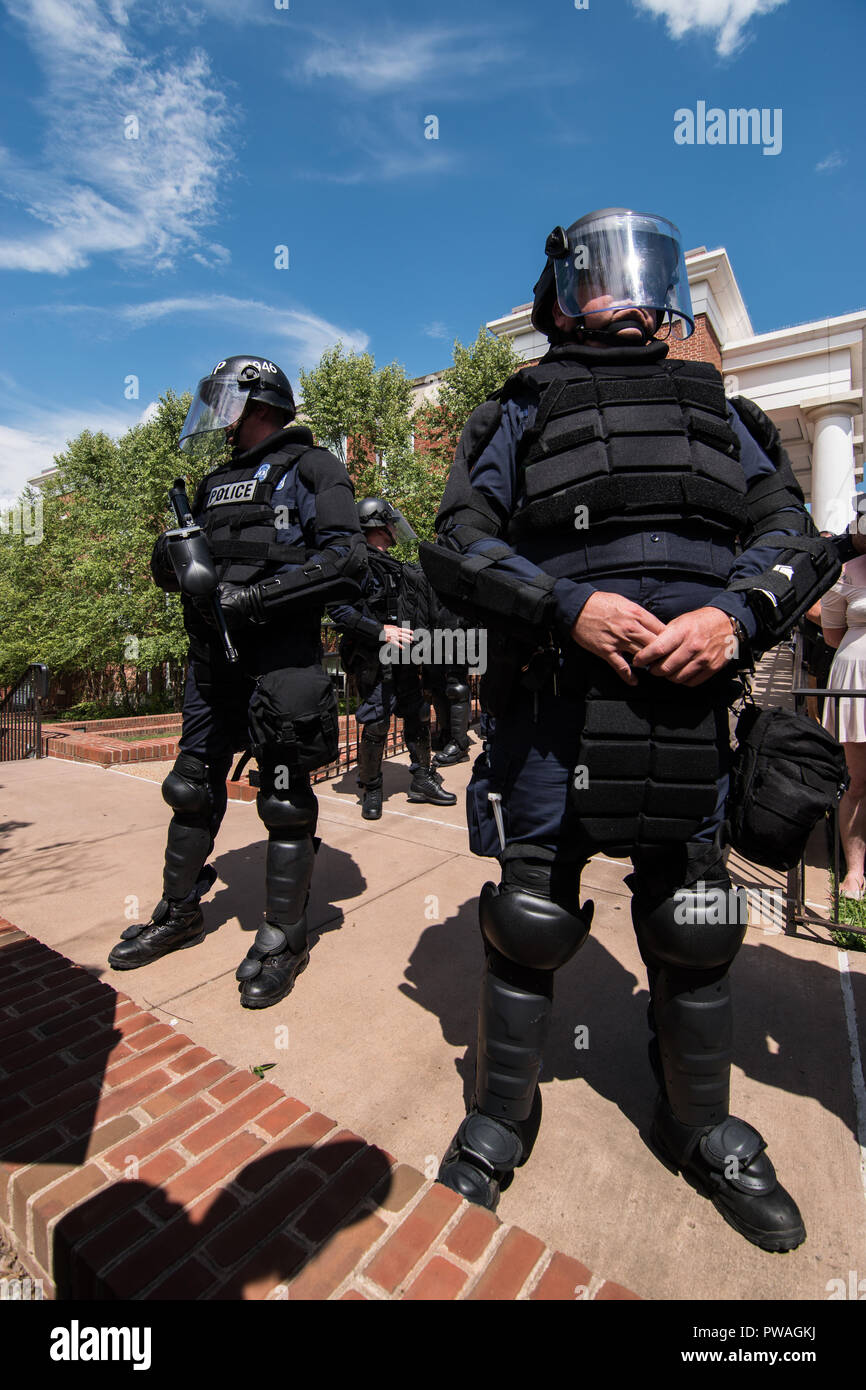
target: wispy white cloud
<point>304,333</point>
<point>402,59</point>
<point>725,19</point>
<point>387,146</point>
<point>94,189</point>
<point>193,15</point>
<point>832,161</point>
<point>436,329</point>
<point>28,448</point>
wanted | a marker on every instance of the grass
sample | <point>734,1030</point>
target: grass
<point>853,911</point>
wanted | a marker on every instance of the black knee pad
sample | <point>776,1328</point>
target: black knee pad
<point>290,815</point>
<point>186,787</point>
<point>697,928</point>
<point>456,689</point>
<point>525,924</point>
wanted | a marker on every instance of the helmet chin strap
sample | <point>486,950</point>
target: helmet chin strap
<point>615,335</point>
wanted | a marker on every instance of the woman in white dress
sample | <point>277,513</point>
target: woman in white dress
<point>843,619</point>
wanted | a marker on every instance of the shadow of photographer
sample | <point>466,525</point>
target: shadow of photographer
<point>251,1239</point>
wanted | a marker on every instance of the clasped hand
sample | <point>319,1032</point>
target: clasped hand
<point>688,650</point>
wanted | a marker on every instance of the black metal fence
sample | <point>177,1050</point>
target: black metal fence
<point>21,715</point>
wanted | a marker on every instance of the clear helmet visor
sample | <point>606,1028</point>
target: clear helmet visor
<point>389,518</point>
<point>619,260</point>
<point>400,526</point>
<point>216,406</point>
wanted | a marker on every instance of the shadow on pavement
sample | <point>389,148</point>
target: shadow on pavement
<point>52,1073</point>
<point>259,1236</point>
<point>6,828</point>
<point>788,1019</point>
<point>336,877</point>
<point>395,784</point>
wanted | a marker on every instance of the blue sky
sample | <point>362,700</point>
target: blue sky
<point>304,126</point>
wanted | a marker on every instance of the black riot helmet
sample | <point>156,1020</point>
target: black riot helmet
<point>221,398</point>
<point>377,514</point>
<point>630,259</point>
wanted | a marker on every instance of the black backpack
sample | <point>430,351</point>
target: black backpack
<point>786,774</point>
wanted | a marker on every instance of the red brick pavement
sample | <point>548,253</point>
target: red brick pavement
<point>136,1165</point>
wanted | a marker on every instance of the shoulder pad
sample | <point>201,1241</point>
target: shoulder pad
<point>759,425</point>
<point>320,468</point>
<point>520,384</point>
<point>479,430</point>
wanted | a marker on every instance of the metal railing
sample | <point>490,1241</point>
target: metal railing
<point>797,911</point>
<point>21,715</point>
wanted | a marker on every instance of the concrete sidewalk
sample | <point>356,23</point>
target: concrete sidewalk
<point>379,1031</point>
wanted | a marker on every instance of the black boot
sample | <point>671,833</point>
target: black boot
<point>727,1162</point>
<point>426,784</point>
<point>425,787</point>
<point>455,749</point>
<point>481,1159</point>
<point>450,755</point>
<point>269,970</point>
<point>371,806</point>
<point>171,927</point>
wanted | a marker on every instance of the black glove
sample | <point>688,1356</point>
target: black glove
<point>241,605</point>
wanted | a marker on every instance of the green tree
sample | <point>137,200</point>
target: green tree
<point>477,371</point>
<point>83,599</point>
<point>362,414</point>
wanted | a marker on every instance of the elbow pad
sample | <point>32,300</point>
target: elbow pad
<point>805,568</point>
<point>472,586</point>
<point>328,578</point>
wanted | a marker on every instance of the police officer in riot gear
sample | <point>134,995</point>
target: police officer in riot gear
<point>645,537</point>
<point>396,601</point>
<point>280,522</point>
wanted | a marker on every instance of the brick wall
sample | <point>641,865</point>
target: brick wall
<point>702,346</point>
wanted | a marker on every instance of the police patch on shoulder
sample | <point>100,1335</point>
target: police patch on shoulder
<point>262,472</point>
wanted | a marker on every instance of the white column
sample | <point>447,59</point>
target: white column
<point>833,487</point>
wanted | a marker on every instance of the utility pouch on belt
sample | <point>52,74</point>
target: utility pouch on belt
<point>294,719</point>
<point>786,774</point>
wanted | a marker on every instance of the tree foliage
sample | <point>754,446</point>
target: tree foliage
<point>82,598</point>
<point>362,414</point>
<point>477,371</point>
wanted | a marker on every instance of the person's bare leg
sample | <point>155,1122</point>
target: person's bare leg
<point>852,820</point>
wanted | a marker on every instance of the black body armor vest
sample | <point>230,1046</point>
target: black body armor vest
<point>239,507</point>
<point>634,439</point>
<point>399,593</point>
